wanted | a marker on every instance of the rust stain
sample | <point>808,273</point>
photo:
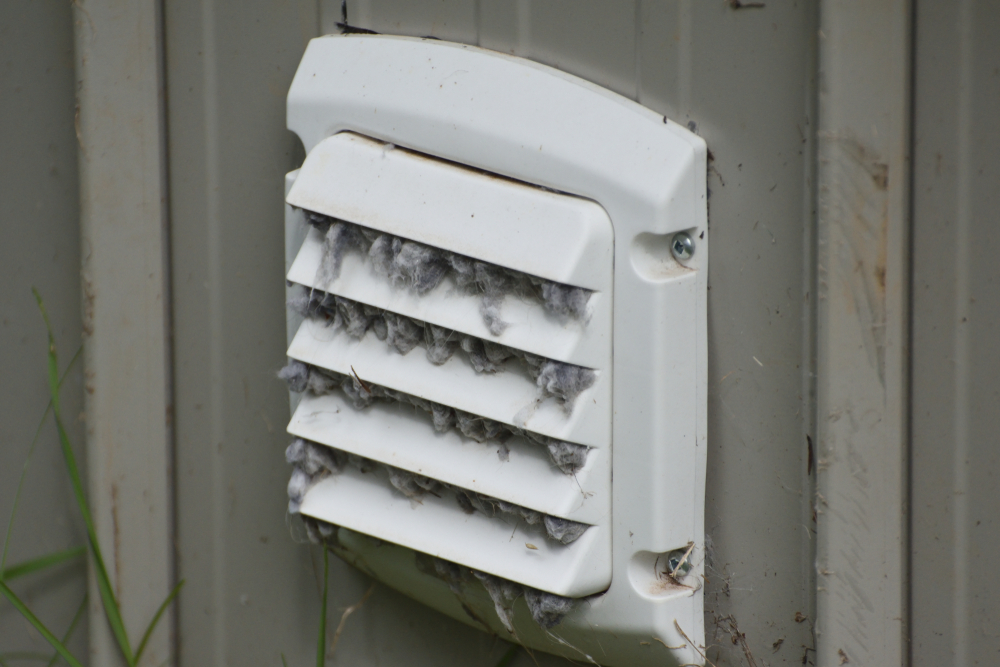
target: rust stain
<point>857,205</point>
<point>88,307</point>
<point>667,584</point>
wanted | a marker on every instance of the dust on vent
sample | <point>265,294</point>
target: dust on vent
<point>470,275</point>
<point>375,211</point>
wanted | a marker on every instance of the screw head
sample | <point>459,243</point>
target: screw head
<point>682,246</point>
<point>676,562</point>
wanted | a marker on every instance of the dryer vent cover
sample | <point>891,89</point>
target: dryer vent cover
<point>497,282</point>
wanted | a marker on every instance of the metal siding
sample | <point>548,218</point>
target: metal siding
<point>123,229</point>
<point>453,20</point>
<point>744,77</point>
<point>862,335</point>
<point>955,591</point>
<point>40,247</point>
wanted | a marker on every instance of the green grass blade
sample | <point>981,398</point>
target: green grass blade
<point>509,656</point>
<point>41,563</point>
<point>284,662</point>
<point>321,642</point>
<point>69,631</point>
<point>27,461</point>
<point>108,601</point>
<point>38,625</point>
<point>110,604</point>
<point>156,619</point>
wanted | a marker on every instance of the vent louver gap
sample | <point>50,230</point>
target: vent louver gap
<point>421,268</point>
<point>555,379</point>
<point>569,457</point>
<point>313,461</point>
<point>487,275</point>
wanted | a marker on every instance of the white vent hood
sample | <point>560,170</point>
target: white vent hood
<point>481,244</point>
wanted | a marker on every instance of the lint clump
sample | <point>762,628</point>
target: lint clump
<point>561,381</point>
<point>569,457</point>
<point>421,268</point>
<point>320,532</point>
<point>547,609</point>
<point>312,462</point>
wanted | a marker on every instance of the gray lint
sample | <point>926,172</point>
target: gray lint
<point>313,461</point>
<point>547,609</point>
<point>555,379</point>
<point>567,456</point>
<point>420,267</point>
<point>338,238</point>
<point>564,381</point>
<point>320,532</point>
<point>563,530</point>
<point>298,484</point>
<point>452,574</point>
<point>296,375</point>
<point>503,592</point>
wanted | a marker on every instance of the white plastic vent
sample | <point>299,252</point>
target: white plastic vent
<point>489,320</point>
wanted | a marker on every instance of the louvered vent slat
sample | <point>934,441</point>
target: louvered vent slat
<point>522,227</point>
<point>401,437</point>
<point>451,193</point>
<point>509,396</point>
<point>500,223</point>
<point>436,527</point>
<point>530,328</point>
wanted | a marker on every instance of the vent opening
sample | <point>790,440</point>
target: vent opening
<point>555,379</point>
<point>421,268</point>
<point>490,446</point>
<point>569,457</point>
<point>313,462</point>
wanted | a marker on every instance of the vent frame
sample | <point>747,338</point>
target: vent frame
<point>528,122</point>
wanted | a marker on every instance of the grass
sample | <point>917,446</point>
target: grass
<point>321,642</point>
<point>109,603</point>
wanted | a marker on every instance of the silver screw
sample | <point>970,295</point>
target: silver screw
<point>678,562</point>
<point>682,245</point>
